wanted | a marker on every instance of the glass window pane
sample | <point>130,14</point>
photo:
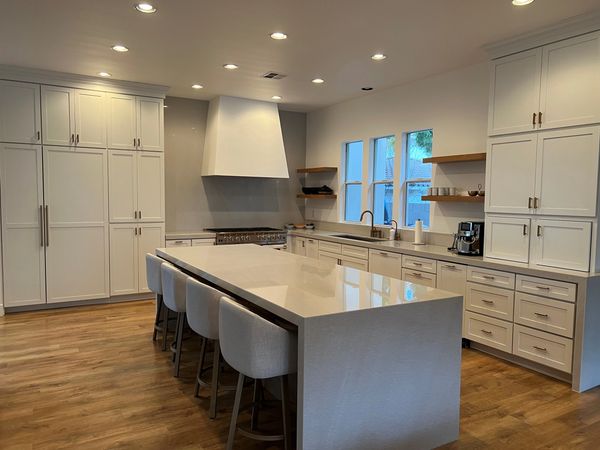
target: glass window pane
<point>415,207</point>
<point>418,146</point>
<point>354,156</point>
<point>383,196</point>
<point>383,164</point>
<point>352,204</point>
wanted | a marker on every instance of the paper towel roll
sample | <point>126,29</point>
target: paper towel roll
<point>418,232</point>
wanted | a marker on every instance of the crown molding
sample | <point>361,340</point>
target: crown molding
<point>14,73</point>
<point>574,26</point>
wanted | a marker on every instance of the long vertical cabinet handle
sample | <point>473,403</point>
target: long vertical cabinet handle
<point>77,140</point>
<point>540,119</point>
<point>524,230</point>
<point>140,232</point>
<point>534,121</point>
<point>539,231</point>
<point>47,228</point>
<point>38,136</point>
<point>72,138</point>
<point>139,142</point>
<point>139,214</point>
<point>536,202</point>
<point>529,203</point>
<point>42,229</point>
<point>135,231</point>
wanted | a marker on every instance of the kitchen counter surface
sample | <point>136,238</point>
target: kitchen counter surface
<point>443,254</point>
<point>189,235</point>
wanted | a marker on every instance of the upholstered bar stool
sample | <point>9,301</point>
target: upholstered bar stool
<point>258,349</point>
<point>202,310</point>
<point>173,285</point>
<point>153,276</point>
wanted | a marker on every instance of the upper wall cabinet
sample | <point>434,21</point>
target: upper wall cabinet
<point>73,117</point>
<point>20,113</point>
<point>135,123</point>
<point>554,86</point>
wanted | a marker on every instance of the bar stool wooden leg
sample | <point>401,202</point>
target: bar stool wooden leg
<point>200,367</point>
<point>165,328</point>
<point>214,386</point>
<point>178,342</point>
<point>158,318</point>
<point>235,412</point>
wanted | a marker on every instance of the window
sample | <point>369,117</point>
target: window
<point>383,179</point>
<point>417,177</point>
<point>353,156</point>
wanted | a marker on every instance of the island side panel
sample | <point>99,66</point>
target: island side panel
<point>384,378</point>
<point>586,357</point>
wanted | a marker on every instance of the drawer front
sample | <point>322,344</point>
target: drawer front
<point>543,348</point>
<point>452,277</point>
<point>330,257</point>
<point>355,252</point>
<point>421,264</point>
<point>559,290</point>
<point>179,242</point>
<point>385,263</point>
<point>330,247</point>
<point>545,314</point>
<point>491,301</point>
<point>202,242</point>
<point>491,277</point>
<point>488,331</point>
<point>417,277</point>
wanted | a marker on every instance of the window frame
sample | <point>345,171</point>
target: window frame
<point>406,181</point>
<point>347,182</point>
<point>374,182</point>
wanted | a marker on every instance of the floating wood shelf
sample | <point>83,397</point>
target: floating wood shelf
<point>316,169</point>
<point>467,157</point>
<point>330,196</point>
<point>453,198</point>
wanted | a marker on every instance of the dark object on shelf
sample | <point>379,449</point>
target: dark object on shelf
<point>323,190</point>
<point>469,239</point>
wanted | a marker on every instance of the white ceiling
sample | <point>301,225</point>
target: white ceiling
<point>188,41</point>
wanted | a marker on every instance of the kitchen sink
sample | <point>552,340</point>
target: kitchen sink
<point>358,238</point>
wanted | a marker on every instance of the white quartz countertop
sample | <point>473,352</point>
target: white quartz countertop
<point>443,254</point>
<point>295,287</point>
<point>189,235</point>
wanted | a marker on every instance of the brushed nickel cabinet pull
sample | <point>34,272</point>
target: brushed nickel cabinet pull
<point>417,263</point>
<point>339,262</point>
<point>540,118</point>
<point>38,135</point>
<point>541,315</point>
<point>72,138</point>
<point>539,231</point>
<point>383,253</point>
<point>534,117</point>
<point>536,202</point>
<point>77,139</point>
<point>541,349</point>
<point>135,214</point>
<point>134,142</point>
<point>524,230</point>
<point>140,216</point>
<point>179,242</point>
<point>41,226</point>
<point>140,233</point>
<point>417,274</point>
<point>489,277</point>
<point>46,224</point>
<point>489,302</point>
<point>486,331</point>
<point>529,203</point>
<point>545,288</point>
<point>139,142</point>
<point>135,231</point>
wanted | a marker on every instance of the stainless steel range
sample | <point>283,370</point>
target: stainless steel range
<point>259,235</point>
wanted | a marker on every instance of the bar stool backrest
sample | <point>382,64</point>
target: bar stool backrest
<point>202,308</point>
<point>153,276</point>
<point>173,285</point>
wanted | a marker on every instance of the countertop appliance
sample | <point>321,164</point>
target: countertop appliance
<point>272,237</point>
<point>469,239</point>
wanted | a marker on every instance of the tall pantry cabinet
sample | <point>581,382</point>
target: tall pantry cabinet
<point>57,192</point>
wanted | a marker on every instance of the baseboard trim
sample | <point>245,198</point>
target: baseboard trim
<point>96,301</point>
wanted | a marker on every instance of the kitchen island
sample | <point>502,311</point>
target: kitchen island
<point>378,358</point>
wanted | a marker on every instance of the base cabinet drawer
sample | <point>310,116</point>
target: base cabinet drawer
<point>491,301</point>
<point>202,242</point>
<point>385,263</point>
<point>417,277</point>
<point>543,348</point>
<point>491,277</point>
<point>421,264</point>
<point>452,277</point>
<point>355,252</point>
<point>332,247</point>
<point>559,290</point>
<point>488,331</point>
<point>179,242</point>
<point>545,314</point>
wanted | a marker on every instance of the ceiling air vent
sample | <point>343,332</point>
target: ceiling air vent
<point>274,76</point>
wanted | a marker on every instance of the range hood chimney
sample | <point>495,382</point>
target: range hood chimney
<point>243,139</point>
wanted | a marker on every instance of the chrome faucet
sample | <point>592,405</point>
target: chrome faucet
<point>374,231</point>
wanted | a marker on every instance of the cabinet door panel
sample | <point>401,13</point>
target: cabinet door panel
<point>150,186</point>
<point>90,119</point>
<point>355,263</point>
<point>151,236</point>
<point>122,174</point>
<point>417,277</point>
<point>562,244</point>
<point>121,122</point>
<point>76,194</point>
<point>514,92</point>
<point>385,263</point>
<point>20,112</point>
<point>299,246</point>
<point>567,172</point>
<point>21,193</point>
<point>330,257</point>
<point>124,259</point>
<point>58,116</point>
<point>507,238</point>
<point>150,123</point>
<point>570,92</point>
<point>312,248</point>
<point>510,174</point>
<point>452,277</point>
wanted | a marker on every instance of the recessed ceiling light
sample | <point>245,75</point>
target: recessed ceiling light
<point>378,57</point>
<point>120,48</point>
<point>277,97</point>
<point>278,35</point>
<point>104,74</point>
<point>165,106</point>
<point>145,8</point>
<point>318,81</point>
<point>230,66</point>
<point>521,2</point>
<point>197,86</point>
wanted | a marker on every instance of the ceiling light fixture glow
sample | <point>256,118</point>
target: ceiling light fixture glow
<point>277,97</point>
<point>278,36</point>
<point>104,74</point>
<point>378,57</point>
<point>197,86</point>
<point>146,8</point>
<point>318,81</point>
<point>230,66</point>
<point>521,2</point>
<point>120,48</point>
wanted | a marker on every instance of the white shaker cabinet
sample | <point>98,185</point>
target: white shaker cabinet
<point>452,277</point>
<point>507,238</point>
<point>570,83</point>
<point>22,200</point>
<point>20,120</point>
<point>561,244</point>
<point>90,118</point>
<point>355,263</point>
<point>385,263</point>
<point>298,246</point>
<point>514,92</point>
<point>58,115</point>
<point>150,186</point>
<point>150,124</point>
<point>312,248</point>
<point>135,123</point>
<point>510,174</point>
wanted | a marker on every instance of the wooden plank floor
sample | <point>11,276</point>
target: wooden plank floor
<point>90,377</point>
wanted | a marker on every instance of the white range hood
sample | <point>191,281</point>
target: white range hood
<point>243,139</point>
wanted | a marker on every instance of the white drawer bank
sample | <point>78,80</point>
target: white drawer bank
<point>546,320</point>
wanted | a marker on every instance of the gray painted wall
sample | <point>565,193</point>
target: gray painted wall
<point>194,202</point>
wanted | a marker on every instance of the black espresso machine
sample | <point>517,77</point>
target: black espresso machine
<point>469,239</point>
